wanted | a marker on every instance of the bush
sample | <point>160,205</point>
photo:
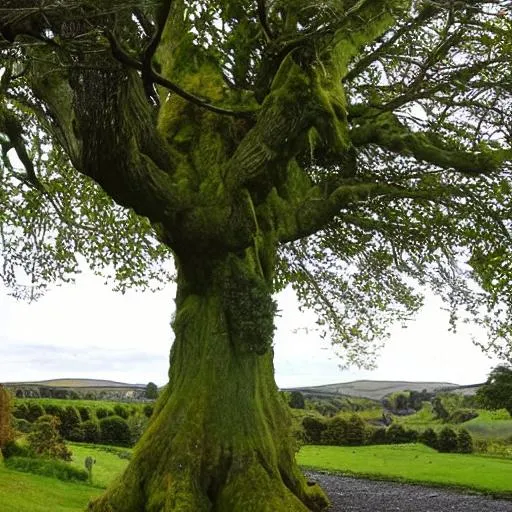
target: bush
<point>464,442</point>
<point>148,410</point>
<point>297,400</point>
<point>137,424</point>
<point>23,426</point>
<point>45,439</point>
<point>34,411</point>
<point>429,438</point>
<point>85,413</point>
<point>377,436</point>
<point>313,429</point>
<point>356,431</point>
<point>91,431</point>
<point>70,421</point>
<point>335,433</point>
<point>447,440</point>
<point>53,410</point>
<point>21,411</point>
<point>462,415</point>
<point>121,411</point>
<point>13,449</point>
<point>46,467</point>
<point>114,430</point>
<point>102,412</point>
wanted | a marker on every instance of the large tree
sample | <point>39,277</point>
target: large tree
<point>354,149</point>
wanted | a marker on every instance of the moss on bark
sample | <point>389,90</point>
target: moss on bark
<point>220,438</point>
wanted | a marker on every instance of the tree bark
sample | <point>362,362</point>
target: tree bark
<point>220,437</point>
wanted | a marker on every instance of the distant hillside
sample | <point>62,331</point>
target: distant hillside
<point>77,388</point>
<point>78,383</point>
<point>378,389</point>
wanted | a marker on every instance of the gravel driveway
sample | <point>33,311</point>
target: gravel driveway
<point>358,495</point>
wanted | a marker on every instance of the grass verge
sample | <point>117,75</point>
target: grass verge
<point>414,463</point>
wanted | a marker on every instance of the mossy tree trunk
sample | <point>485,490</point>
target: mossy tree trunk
<point>220,436</point>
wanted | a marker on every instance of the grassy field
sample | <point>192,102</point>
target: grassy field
<point>107,464</point>
<point>24,492</point>
<point>414,463</point>
<point>90,404</point>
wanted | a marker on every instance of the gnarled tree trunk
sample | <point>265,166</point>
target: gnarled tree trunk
<point>220,437</point>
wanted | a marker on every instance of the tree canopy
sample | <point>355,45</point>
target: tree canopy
<point>496,393</point>
<point>395,145</point>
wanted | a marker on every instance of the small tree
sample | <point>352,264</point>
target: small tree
<point>70,422</point>
<point>464,441</point>
<point>6,430</point>
<point>496,393</point>
<point>45,439</point>
<point>34,411</point>
<point>151,391</point>
<point>447,440</point>
<point>297,400</point>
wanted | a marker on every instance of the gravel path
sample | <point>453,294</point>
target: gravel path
<point>358,495</point>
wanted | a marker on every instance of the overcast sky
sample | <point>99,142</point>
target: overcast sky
<point>86,330</point>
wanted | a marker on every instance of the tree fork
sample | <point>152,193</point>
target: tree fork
<point>220,437</point>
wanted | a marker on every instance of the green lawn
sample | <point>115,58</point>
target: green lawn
<point>24,492</point>
<point>415,463</point>
<point>107,464</point>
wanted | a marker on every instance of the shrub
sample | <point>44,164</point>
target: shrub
<point>14,449</point>
<point>70,421</point>
<point>464,441</point>
<point>313,429</point>
<point>46,467</point>
<point>114,430</point>
<point>148,410</point>
<point>20,411</point>
<point>447,440</point>
<point>53,410</point>
<point>21,425</point>
<point>45,439</point>
<point>151,391</point>
<point>6,430</point>
<point>34,411</point>
<point>91,431</point>
<point>121,411</point>
<point>102,412</point>
<point>297,400</point>
<point>428,437</point>
<point>356,431</point>
<point>462,415</point>
<point>137,424</point>
<point>335,433</point>
<point>377,436</point>
<point>85,413</point>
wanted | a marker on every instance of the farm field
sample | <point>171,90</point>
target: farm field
<point>413,463</point>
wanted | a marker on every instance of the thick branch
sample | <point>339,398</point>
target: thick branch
<point>388,132</point>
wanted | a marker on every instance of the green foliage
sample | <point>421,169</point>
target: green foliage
<point>121,411</point>
<point>447,440</point>
<point>70,423</point>
<point>464,441</point>
<point>428,437</point>
<point>137,424</point>
<point>296,400</point>
<point>21,425</point>
<point>151,391</point>
<point>103,412</point>
<point>91,431</point>
<point>335,433</point>
<point>496,393</point>
<point>34,411</point>
<point>313,429</point>
<point>462,415</point>
<point>46,467</point>
<point>114,430</point>
<point>45,439</point>
<point>85,413</point>
<point>148,410</point>
<point>356,431</point>
<point>6,418</point>
<point>21,411</point>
